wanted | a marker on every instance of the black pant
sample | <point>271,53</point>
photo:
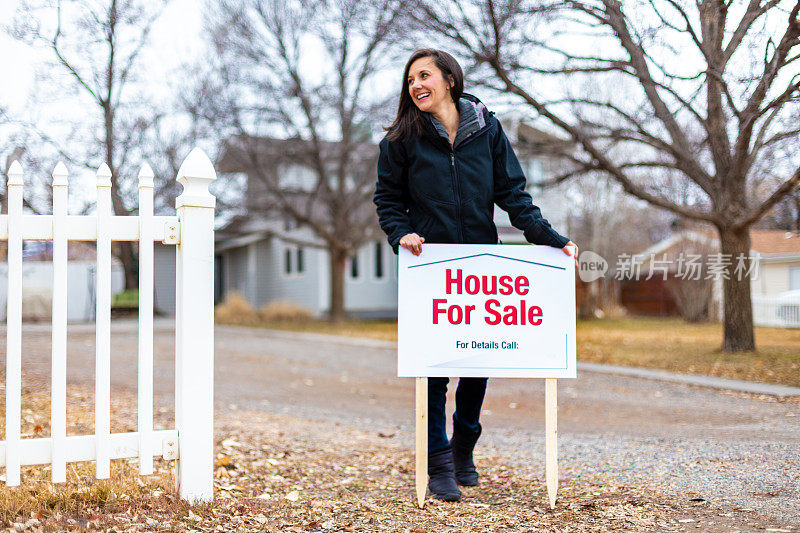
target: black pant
<point>469,398</point>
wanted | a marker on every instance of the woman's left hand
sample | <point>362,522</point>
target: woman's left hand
<point>571,249</point>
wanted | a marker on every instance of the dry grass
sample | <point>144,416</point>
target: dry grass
<point>83,501</point>
<point>674,345</point>
<point>284,312</point>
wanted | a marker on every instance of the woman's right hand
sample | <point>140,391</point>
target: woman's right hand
<point>413,243</point>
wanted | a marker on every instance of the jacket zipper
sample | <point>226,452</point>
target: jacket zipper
<point>454,175</point>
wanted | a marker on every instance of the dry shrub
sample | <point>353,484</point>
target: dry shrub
<point>235,310</point>
<point>693,298</point>
<point>284,312</point>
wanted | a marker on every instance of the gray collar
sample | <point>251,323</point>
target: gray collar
<point>471,120</point>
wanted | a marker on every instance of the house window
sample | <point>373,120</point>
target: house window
<point>287,261</point>
<point>794,278</point>
<point>293,261</point>
<point>378,260</point>
<point>354,267</point>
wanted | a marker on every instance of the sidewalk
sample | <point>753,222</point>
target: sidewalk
<point>780,391</point>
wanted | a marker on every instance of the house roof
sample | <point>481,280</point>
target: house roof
<point>770,244</point>
<point>239,150</point>
<point>535,141</point>
<point>775,242</point>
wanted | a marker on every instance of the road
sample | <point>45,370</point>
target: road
<point>728,448</point>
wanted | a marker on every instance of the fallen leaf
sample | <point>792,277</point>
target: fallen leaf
<point>231,443</point>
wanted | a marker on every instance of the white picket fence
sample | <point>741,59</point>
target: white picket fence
<point>192,230</point>
<point>779,312</point>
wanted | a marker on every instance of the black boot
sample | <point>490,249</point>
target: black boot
<point>442,481</point>
<point>462,443</point>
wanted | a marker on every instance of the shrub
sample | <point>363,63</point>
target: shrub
<point>284,312</point>
<point>235,310</point>
<point>127,299</point>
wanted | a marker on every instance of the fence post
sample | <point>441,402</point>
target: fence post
<point>194,330</point>
<point>146,269</point>
<point>58,386</point>
<point>102,365</point>
<point>14,326</point>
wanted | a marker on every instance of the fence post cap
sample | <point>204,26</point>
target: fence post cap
<point>103,176</point>
<point>15,173</point>
<point>146,176</point>
<point>60,175</point>
<point>196,174</point>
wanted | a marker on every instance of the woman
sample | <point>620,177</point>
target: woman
<point>443,165</point>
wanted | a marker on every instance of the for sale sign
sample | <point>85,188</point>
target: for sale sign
<point>486,311</point>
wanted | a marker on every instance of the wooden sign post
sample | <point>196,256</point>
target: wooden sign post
<point>486,311</point>
<point>550,440</point>
<point>421,448</point>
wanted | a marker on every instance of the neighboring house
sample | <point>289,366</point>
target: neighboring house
<point>253,261</point>
<point>260,254</point>
<point>776,268</point>
<point>37,281</point>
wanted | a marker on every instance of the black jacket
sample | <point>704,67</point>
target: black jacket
<point>446,193</point>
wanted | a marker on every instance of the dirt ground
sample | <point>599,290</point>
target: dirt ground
<point>315,434</point>
<point>283,473</point>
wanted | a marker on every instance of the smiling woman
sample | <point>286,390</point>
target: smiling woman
<point>443,164</point>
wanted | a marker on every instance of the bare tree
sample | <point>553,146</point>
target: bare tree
<point>37,156</point>
<point>693,93</point>
<point>98,45</point>
<point>295,85</point>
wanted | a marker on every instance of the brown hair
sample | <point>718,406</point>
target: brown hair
<point>409,120</point>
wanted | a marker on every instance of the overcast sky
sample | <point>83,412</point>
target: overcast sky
<point>176,39</point>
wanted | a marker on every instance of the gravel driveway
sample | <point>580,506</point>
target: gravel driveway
<point>729,449</point>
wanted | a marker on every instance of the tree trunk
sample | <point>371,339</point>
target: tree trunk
<point>126,255</point>
<point>338,257</point>
<point>738,334</point>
